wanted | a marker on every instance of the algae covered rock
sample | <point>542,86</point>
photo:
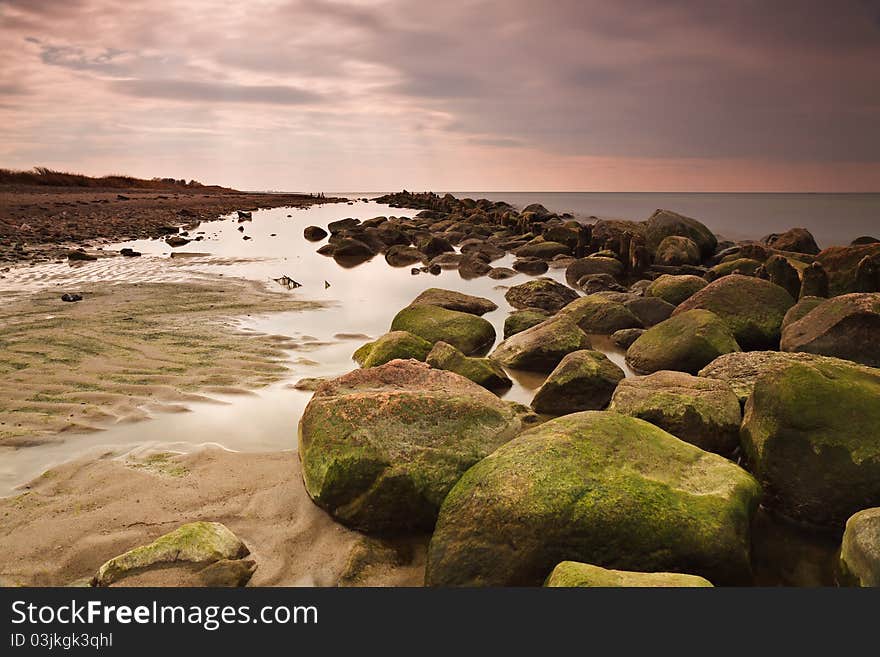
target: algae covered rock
<point>599,314</point>
<point>452,300</point>
<point>742,266</point>
<point>393,345</point>
<point>649,310</point>
<point>464,331</point>
<point>676,250</point>
<point>703,412</point>
<point>811,433</point>
<point>583,381</point>
<point>625,337</point>
<point>751,307</point>
<point>664,223</point>
<point>541,347</point>
<point>860,550</point>
<point>800,309</point>
<point>841,263</point>
<point>195,542</point>
<point>675,289</point>
<point>381,447</point>
<point>844,327</point>
<point>596,487</point>
<point>541,293</point>
<point>592,265</point>
<point>520,320</point>
<point>571,574</point>
<point>685,342</point>
<point>483,371</point>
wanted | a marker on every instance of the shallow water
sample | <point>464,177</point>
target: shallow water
<point>361,302</point>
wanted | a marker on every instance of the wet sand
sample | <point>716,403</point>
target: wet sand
<point>65,524</point>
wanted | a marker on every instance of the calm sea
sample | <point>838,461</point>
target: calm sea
<point>832,218</point>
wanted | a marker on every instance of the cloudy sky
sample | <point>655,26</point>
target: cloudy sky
<point>606,95</point>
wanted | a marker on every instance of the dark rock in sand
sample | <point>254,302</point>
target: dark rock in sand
<point>382,447</point>
<point>543,293</point>
<point>314,233</point>
<point>583,381</point>
<point>844,327</point>
<point>71,297</point>
<point>175,241</point>
<point>685,342</point>
<point>80,255</point>
<point>600,488</point>
<point>703,412</point>
<point>752,308</point>
<point>129,253</point>
<point>452,300</point>
<point>811,434</point>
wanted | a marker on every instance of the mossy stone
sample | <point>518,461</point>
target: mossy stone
<point>572,574</point>
<point>664,223</point>
<point>541,347</point>
<point>685,342</point>
<point>583,381</point>
<point>596,487</point>
<point>381,447</point>
<point>520,320</point>
<point>541,293</point>
<point>677,250</point>
<point>464,331</point>
<point>396,344</point>
<point>751,307</point>
<point>860,549</point>
<point>483,371</point>
<point>597,313</point>
<point>742,266</point>
<point>811,434</point>
<point>675,289</point>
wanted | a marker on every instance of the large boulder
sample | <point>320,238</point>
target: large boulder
<point>541,347</point>
<point>483,371</point>
<point>703,412</point>
<point>464,331</point>
<point>403,256</point>
<point>592,265</point>
<point>799,240</point>
<point>675,250</point>
<point>860,550</point>
<point>452,300</point>
<point>195,542</point>
<point>845,327</point>
<point>675,289</point>
<point>841,263</point>
<point>649,310</point>
<point>599,314</point>
<point>520,320</point>
<point>742,368</point>
<point>382,447</point>
<point>664,223</point>
<point>391,346</point>
<point>684,342</point>
<point>583,381</point>
<point>742,266</point>
<point>543,293</point>
<point>811,433</point>
<point>571,574</point>
<point>542,249</point>
<point>800,310</point>
<point>752,308</point>
<point>597,487</point>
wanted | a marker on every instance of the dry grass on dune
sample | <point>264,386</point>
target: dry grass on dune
<point>43,176</point>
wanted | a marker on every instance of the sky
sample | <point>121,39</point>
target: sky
<point>489,95</point>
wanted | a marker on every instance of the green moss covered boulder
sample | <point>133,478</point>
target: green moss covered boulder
<point>684,342</point>
<point>583,381</point>
<point>483,371</point>
<point>742,266</point>
<point>811,434</point>
<point>676,250</point>
<point>860,550</point>
<point>467,332</point>
<point>596,487</point>
<point>703,412</point>
<point>751,307</point>
<point>847,327</point>
<point>541,293</point>
<point>572,574</point>
<point>393,345</point>
<point>597,313</point>
<point>195,542</point>
<point>541,347</point>
<point>800,309</point>
<point>841,263</point>
<point>675,289</point>
<point>520,320</point>
<point>592,265</point>
<point>381,447</point>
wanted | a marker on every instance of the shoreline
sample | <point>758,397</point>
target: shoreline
<point>43,223</point>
